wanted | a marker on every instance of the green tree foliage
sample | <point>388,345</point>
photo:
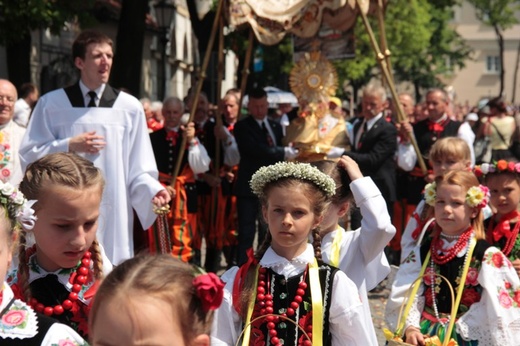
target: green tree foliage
<point>420,40</point>
<point>500,15</point>
<point>19,17</point>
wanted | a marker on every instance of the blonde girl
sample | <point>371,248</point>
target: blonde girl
<point>19,323</point>
<point>60,260</point>
<point>286,283</point>
<point>449,153</point>
<point>487,289</point>
<point>155,300</point>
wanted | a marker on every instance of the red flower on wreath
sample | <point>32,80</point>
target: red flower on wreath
<point>210,290</point>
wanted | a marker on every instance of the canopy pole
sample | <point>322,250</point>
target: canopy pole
<point>386,73</point>
<point>198,89</point>
<point>245,70</point>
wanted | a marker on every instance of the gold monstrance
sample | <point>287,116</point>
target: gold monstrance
<point>314,80</point>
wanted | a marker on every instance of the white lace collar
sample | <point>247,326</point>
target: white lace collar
<point>283,266</point>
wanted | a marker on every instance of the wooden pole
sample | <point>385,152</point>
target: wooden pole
<point>382,30</point>
<point>218,119</point>
<point>384,68</point>
<point>245,70</point>
<point>198,88</point>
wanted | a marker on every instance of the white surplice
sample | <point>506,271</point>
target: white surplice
<point>127,161</point>
<point>361,254</point>
<point>347,321</point>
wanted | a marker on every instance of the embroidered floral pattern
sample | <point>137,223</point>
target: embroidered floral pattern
<point>411,258</point>
<point>16,317</point>
<point>68,342</point>
<point>5,154</point>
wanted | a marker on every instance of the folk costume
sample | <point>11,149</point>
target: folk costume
<point>288,283</point>
<point>213,201</point>
<point>126,162</point>
<point>489,309</point>
<point>11,135</point>
<point>182,218</point>
<point>360,253</point>
<point>503,233</point>
<point>65,294</point>
<point>21,325</point>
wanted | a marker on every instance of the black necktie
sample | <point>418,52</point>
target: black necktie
<point>365,129</point>
<point>267,135</point>
<point>92,102</point>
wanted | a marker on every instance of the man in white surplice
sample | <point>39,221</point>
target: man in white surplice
<point>107,127</point>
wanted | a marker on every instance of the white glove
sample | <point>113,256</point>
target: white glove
<point>291,153</point>
<point>335,152</point>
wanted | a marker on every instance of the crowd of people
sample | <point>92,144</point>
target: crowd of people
<point>87,159</point>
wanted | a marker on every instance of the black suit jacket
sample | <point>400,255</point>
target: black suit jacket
<point>165,153</point>
<point>77,100</point>
<point>255,151</point>
<point>375,157</point>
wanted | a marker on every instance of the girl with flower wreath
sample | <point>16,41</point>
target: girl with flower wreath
<point>503,180</point>
<point>155,300</point>
<point>449,153</point>
<point>19,323</point>
<point>285,294</point>
<point>486,287</point>
<point>60,261</point>
<point>359,253</point>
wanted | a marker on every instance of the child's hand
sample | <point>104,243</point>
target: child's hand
<point>516,265</point>
<point>414,336</point>
<point>351,167</point>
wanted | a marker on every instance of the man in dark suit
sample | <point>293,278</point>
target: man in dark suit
<point>259,142</point>
<point>107,127</point>
<point>374,146</point>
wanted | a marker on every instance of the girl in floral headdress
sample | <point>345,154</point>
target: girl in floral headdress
<point>285,294</point>
<point>19,323</point>
<point>60,259</point>
<point>503,181</point>
<point>155,300</point>
<point>486,287</point>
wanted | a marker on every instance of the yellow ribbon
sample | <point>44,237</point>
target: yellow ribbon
<point>336,247</point>
<point>316,301</point>
<point>317,304</point>
<point>250,308</point>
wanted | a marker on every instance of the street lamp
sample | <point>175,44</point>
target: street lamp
<point>164,11</point>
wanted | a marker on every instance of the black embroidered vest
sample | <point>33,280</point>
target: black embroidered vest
<point>451,271</point>
<point>426,138</point>
<point>283,292</point>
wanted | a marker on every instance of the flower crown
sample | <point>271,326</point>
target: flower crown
<point>497,167</point>
<point>17,206</point>
<point>209,288</point>
<point>281,170</point>
<point>477,196</point>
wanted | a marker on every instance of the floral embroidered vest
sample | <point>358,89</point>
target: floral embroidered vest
<point>452,270</point>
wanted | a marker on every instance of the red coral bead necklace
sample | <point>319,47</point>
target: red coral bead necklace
<point>78,279</point>
<point>264,306</point>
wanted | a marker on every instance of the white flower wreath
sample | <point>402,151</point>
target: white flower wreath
<point>304,171</point>
<point>11,197</point>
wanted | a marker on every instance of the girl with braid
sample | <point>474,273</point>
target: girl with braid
<point>285,294</point>
<point>59,274</point>
<point>19,323</point>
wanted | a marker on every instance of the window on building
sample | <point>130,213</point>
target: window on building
<point>493,64</point>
